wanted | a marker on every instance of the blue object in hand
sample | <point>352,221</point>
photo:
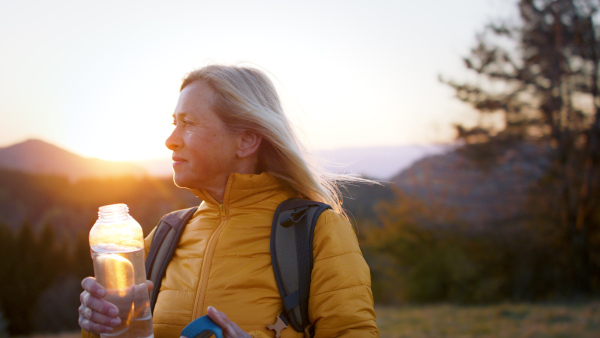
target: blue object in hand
<point>202,327</point>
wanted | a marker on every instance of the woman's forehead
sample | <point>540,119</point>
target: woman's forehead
<point>196,96</point>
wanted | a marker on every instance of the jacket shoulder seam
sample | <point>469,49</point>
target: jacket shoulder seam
<point>344,288</point>
<point>337,255</point>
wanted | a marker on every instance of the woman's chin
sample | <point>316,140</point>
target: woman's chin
<point>180,181</point>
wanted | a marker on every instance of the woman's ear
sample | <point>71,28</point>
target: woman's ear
<point>248,144</point>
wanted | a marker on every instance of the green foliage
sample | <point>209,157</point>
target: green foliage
<point>422,253</point>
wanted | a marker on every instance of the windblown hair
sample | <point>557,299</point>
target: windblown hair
<point>245,99</point>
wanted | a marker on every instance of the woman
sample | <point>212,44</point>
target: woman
<point>234,148</point>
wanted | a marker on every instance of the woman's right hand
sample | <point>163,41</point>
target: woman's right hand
<point>96,315</point>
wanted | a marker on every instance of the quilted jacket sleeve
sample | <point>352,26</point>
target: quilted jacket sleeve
<point>341,301</point>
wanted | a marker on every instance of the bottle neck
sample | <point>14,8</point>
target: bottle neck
<point>113,212</point>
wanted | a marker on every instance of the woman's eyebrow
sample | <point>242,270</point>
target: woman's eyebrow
<point>180,115</point>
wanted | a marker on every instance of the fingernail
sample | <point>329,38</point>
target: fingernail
<point>112,312</point>
<point>115,321</point>
<point>100,292</point>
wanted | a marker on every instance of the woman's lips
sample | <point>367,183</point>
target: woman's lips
<point>178,160</point>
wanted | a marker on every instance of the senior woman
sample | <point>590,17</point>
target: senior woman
<point>234,148</point>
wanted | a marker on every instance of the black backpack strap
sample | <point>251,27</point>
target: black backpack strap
<point>163,246</point>
<point>292,256</point>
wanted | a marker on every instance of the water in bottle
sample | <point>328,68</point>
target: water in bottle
<point>117,246</point>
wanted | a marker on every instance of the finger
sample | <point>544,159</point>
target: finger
<point>230,329</point>
<point>219,318</point>
<point>97,317</point>
<point>98,305</point>
<point>92,327</point>
<point>90,285</point>
<point>150,285</point>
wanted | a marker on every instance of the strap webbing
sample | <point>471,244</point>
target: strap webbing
<point>163,246</point>
<point>291,253</point>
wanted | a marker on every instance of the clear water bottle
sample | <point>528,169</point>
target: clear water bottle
<point>117,246</point>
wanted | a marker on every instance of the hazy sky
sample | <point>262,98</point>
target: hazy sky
<point>101,78</point>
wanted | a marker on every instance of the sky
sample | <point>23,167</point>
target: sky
<point>101,78</point>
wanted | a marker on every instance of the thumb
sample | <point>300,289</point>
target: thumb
<point>218,317</point>
<point>150,286</point>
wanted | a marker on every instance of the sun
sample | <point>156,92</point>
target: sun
<point>129,120</point>
<point>128,137</point>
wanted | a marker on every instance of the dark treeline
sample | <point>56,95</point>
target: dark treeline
<point>44,250</point>
<point>39,284</point>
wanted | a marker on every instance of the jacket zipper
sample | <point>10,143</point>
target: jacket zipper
<point>206,264</point>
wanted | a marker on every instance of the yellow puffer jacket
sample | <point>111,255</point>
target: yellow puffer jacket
<point>223,260</point>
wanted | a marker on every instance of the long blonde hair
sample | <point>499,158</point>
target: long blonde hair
<point>245,99</point>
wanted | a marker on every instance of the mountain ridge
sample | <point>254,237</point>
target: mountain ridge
<point>497,195</point>
<point>40,157</point>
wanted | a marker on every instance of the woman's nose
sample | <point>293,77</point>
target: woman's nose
<point>173,142</point>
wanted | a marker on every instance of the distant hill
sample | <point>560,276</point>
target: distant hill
<point>71,207</point>
<point>39,157</point>
<point>482,197</point>
<point>377,162</point>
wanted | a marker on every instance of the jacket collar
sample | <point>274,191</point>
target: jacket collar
<point>245,189</point>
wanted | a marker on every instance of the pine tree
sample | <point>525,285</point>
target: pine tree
<point>538,82</point>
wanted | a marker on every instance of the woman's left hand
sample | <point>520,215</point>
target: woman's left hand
<point>230,329</point>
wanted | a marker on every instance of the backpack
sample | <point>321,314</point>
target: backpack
<point>291,255</point>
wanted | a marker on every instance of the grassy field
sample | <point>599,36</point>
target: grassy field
<point>504,320</point>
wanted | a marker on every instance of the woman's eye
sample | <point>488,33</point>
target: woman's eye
<point>183,123</point>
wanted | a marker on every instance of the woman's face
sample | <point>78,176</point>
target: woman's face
<point>204,151</point>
